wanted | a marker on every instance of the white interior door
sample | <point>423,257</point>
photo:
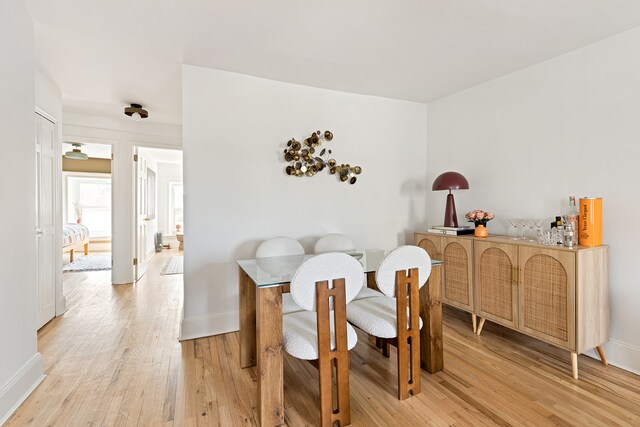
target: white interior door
<point>141,215</point>
<point>45,220</point>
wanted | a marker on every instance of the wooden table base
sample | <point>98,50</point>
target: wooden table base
<point>431,348</point>
<point>270,358</point>
<point>261,344</point>
<point>261,338</point>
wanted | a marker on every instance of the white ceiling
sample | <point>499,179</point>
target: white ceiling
<point>105,54</point>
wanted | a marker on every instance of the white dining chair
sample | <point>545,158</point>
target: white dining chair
<point>334,243</point>
<point>281,246</point>
<point>395,317</point>
<point>323,286</point>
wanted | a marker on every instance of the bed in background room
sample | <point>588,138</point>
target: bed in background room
<point>75,237</point>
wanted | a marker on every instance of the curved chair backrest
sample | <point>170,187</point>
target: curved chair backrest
<point>334,243</point>
<point>279,246</point>
<point>326,267</point>
<point>402,258</point>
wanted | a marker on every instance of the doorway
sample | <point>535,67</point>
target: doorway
<point>86,212</point>
<point>159,222</point>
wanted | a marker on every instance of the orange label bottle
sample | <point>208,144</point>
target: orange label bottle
<point>590,221</point>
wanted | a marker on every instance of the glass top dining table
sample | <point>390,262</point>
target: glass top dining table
<point>277,271</point>
<point>261,285</point>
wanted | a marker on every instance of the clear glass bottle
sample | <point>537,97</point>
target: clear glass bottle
<point>570,219</point>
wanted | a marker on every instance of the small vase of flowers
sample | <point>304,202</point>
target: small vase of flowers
<point>480,219</point>
<point>78,210</point>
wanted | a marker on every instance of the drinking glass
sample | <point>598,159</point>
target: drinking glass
<point>513,230</point>
<point>531,236</point>
<point>539,234</point>
<point>522,225</point>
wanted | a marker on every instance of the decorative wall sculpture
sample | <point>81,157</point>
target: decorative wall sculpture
<point>305,162</point>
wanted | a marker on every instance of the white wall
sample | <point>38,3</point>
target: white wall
<point>568,126</point>
<point>237,194</point>
<point>123,135</point>
<point>167,173</point>
<point>20,363</point>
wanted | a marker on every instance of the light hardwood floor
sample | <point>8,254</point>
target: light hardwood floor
<point>113,359</point>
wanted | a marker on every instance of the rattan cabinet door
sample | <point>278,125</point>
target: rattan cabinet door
<point>547,295</point>
<point>457,254</point>
<point>430,243</point>
<point>496,290</point>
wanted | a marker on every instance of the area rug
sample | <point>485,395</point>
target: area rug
<point>174,265</point>
<point>91,262</point>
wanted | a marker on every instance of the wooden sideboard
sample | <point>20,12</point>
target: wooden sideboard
<point>556,294</point>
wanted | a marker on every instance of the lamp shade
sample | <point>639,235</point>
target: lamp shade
<point>75,153</point>
<point>450,181</point>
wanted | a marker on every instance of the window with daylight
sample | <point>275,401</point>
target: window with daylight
<point>176,214</point>
<point>88,201</point>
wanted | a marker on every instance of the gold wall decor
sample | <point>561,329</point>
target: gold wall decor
<point>304,161</point>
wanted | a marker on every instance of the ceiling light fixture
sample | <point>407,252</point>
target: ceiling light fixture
<point>136,112</point>
<point>75,154</point>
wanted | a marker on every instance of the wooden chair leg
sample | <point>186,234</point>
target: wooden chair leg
<point>574,365</point>
<point>480,325</point>
<point>474,323</point>
<point>86,249</point>
<point>602,356</point>
<point>408,342</point>
<point>333,364</point>
<point>379,342</point>
<point>385,348</point>
<point>71,255</point>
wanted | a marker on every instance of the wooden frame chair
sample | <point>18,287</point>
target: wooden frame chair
<point>394,318</point>
<point>324,285</point>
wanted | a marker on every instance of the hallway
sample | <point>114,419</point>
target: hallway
<point>104,356</point>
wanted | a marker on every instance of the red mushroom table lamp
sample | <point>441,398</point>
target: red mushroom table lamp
<point>450,181</point>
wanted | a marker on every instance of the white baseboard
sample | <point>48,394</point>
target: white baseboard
<point>19,386</point>
<point>206,326</point>
<point>620,354</point>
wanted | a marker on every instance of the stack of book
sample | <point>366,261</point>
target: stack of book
<point>454,231</point>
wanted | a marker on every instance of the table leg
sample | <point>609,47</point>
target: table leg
<point>371,280</point>
<point>269,354</point>
<point>431,350</point>
<point>247,320</point>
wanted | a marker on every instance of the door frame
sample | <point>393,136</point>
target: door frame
<point>122,146</point>
<point>135,145</point>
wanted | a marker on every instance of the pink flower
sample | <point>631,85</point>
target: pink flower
<point>479,217</point>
